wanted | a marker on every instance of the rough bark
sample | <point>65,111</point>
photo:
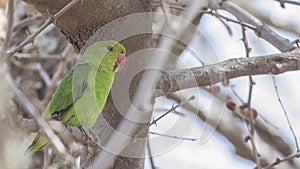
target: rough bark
<point>81,22</point>
<point>86,17</point>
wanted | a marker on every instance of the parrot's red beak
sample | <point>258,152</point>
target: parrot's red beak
<point>121,60</point>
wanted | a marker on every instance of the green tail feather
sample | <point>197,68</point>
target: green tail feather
<point>37,143</point>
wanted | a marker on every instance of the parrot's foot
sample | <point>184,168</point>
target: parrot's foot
<point>83,132</point>
<point>68,120</point>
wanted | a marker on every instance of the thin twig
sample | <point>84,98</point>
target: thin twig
<point>150,154</point>
<point>177,3</point>
<point>9,28</point>
<point>37,67</point>
<point>248,50</point>
<point>172,109</point>
<point>21,65</point>
<point>244,24</point>
<point>43,74</point>
<point>287,158</point>
<point>245,41</point>
<point>174,137</point>
<point>236,94</point>
<point>169,111</point>
<point>296,42</point>
<point>50,20</point>
<point>35,58</point>
<point>160,117</point>
<point>250,125</point>
<point>177,7</point>
<point>164,109</point>
<point>282,2</point>
<point>28,21</point>
<point>162,4</point>
<point>285,113</point>
<point>220,17</point>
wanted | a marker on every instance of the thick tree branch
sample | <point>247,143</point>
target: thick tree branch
<point>282,44</point>
<point>267,18</point>
<point>201,76</point>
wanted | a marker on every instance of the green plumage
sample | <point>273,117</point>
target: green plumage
<point>82,94</point>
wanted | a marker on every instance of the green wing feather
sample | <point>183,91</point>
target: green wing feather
<point>68,91</point>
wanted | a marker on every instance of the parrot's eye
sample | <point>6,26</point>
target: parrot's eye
<point>110,48</point>
<point>122,52</point>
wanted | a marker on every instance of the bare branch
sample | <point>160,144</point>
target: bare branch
<point>9,28</point>
<point>172,109</point>
<point>285,113</point>
<point>49,21</point>
<point>267,132</point>
<point>282,44</point>
<point>278,160</point>
<point>43,74</point>
<point>150,155</point>
<point>201,76</point>
<point>230,20</point>
<point>267,18</point>
<point>282,2</point>
<point>35,58</point>
<point>28,21</point>
<point>250,125</point>
<point>174,137</point>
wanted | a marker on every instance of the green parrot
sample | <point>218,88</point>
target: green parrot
<point>81,95</point>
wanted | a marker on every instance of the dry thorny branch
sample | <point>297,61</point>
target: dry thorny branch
<point>167,82</point>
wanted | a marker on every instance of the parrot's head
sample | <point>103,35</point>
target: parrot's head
<point>116,53</point>
<point>120,51</point>
<point>109,55</point>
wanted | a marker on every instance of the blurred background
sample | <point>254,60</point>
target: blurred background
<point>203,133</point>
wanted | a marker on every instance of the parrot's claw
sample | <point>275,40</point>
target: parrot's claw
<point>68,120</point>
<point>83,132</point>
